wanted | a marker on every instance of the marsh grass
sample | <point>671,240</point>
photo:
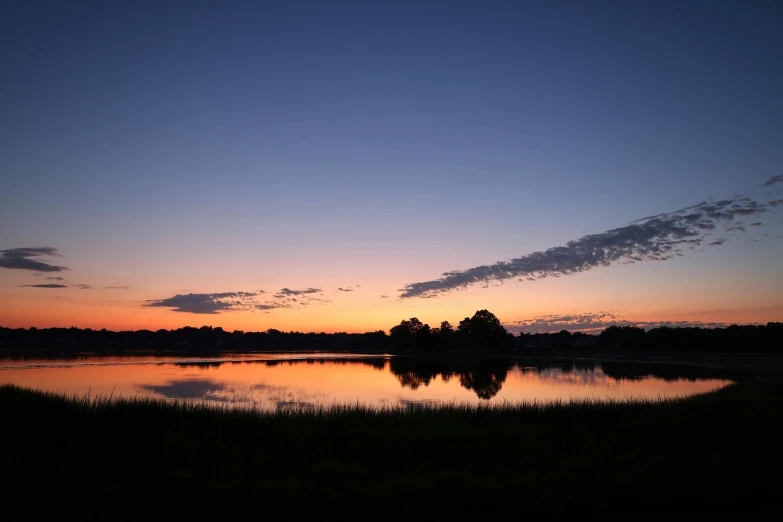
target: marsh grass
<point>715,451</point>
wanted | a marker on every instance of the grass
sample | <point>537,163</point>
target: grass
<point>716,452</point>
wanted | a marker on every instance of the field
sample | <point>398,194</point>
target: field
<point>715,453</point>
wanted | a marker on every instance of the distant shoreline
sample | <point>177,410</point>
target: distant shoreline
<point>768,363</point>
<point>760,362</point>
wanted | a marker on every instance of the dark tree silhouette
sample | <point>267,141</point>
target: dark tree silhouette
<point>413,334</point>
<point>408,328</point>
<point>465,327</point>
<point>623,336</point>
<point>408,336</point>
<point>484,330</point>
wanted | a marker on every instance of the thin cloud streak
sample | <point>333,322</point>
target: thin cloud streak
<point>90,287</point>
<point>207,303</point>
<point>654,238</point>
<point>29,259</point>
<point>46,285</point>
<point>771,181</point>
<point>216,303</point>
<point>286,292</point>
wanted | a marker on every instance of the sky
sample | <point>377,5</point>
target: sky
<point>341,166</point>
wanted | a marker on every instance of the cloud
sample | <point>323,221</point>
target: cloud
<point>345,289</point>
<point>654,238</point>
<point>55,279</point>
<point>220,302</point>
<point>775,202</point>
<point>208,303</point>
<point>286,292</point>
<point>595,322</point>
<point>267,306</point>
<point>47,285</point>
<point>28,259</point>
<point>754,225</point>
<point>384,296</point>
<point>772,181</point>
<point>90,287</point>
<point>287,298</point>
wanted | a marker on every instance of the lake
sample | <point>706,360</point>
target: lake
<point>274,381</point>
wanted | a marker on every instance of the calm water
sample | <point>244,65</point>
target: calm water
<point>277,381</point>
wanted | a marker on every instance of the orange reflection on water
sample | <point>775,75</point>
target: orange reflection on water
<point>275,382</point>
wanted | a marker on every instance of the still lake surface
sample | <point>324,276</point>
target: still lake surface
<point>274,381</point>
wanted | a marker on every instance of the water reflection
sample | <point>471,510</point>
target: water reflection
<point>280,382</point>
<point>484,377</point>
<point>189,389</point>
<point>213,390</point>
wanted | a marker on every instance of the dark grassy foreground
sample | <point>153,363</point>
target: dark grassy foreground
<point>717,453</point>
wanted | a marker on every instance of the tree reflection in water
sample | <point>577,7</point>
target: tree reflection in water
<point>485,377</point>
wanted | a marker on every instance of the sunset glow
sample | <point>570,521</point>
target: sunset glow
<point>333,170</point>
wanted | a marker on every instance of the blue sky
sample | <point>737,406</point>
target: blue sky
<point>231,146</point>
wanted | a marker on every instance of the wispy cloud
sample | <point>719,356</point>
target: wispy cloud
<point>595,322</point>
<point>55,279</point>
<point>208,303</point>
<point>771,181</point>
<point>287,298</point>
<point>654,238</point>
<point>269,306</point>
<point>384,296</point>
<point>46,285</point>
<point>216,303</point>
<point>90,287</point>
<point>30,259</point>
<point>287,292</point>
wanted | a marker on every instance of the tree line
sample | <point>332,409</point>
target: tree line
<point>481,332</point>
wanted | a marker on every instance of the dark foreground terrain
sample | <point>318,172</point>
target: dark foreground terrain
<point>718,453</point>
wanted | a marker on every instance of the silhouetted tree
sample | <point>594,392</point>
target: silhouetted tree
<point>562,340</point>
<point>465,327</point>
<point>445,334</point>
<point>484,330</point>
<point>409,335</point>
<point>413,334</point>
<point>623,337</point>
<point>407,328</point>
